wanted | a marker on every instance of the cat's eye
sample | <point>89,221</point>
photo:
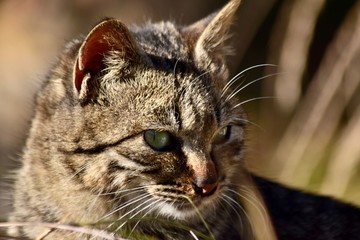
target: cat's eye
<point>222,135</point>
<point>159,140</point>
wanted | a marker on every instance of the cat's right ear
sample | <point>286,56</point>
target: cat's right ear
<point>108,37</point>
<point>207,37</point>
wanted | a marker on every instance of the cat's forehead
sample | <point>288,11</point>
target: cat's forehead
<point>178,87</point>
<point>158,98</point>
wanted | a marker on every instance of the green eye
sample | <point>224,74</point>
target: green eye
<point>159,140</point>
<point>222,135</point>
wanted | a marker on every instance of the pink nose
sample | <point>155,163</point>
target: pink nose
<point>205,188</point>
<point>204,176</point>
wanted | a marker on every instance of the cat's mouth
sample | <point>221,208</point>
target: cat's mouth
<point>183,202</point>
<point>204,190</point>
<point>188,192</point>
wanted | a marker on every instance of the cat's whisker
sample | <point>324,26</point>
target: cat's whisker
<point>202,74</point>
<point>237,76</point>
<point>249,197</point>
<point>92,205</point>
<point>230,83</point>
<point>175,65</point>
<point>249,122</point>
<point>132,209</point>
<point>142,217</point>
<point>83,167</point>
<point>259,207</point>
<point>126,204</point>
<point>239,89</point>
<point>124,195</point>
<point>131,190</point>
<point>135,209</point>
<point>199,215</point>
<point>234,209</point>
<point>255,201</point>
<point>139,211</point>
<point>235,203</point>
<point>136,213</point>
<point>251,100</point>
<point>221,201</point>
<point>193,235</point>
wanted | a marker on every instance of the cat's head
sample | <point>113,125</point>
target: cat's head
<point>144,115</point>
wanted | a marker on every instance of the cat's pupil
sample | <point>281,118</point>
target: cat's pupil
<point>222,135</point>
<point>159,140</point>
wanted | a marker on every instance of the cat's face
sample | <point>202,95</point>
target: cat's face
<point>177,140</point>
<point>150,128</point>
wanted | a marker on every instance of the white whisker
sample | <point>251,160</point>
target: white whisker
<point>126,204</point>
<point>239,89</point>
<point>198,77</point>
<point>246,121</point>
<point>256,203</point>
<point>250,100</point>
<point>236,211</point>
<point>233,80</point>
<point>253,201</point>
<point>139,211</point>
<point>131,190</point>
<point>230,83</point>
<point>137,223</point>
<point>134,209</point>
<point>242,209</point>
<point>132,216</point>
<point>175,65</point>
<point>83,167</point>
<point>193,235</point>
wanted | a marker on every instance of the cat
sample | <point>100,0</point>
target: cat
<point>133,134</point>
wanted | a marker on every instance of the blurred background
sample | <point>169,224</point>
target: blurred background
<point>306,134</point>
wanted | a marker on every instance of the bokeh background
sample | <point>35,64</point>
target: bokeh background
<point>306,134</point>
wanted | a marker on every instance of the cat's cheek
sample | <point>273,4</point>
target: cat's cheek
<point>231,151</point>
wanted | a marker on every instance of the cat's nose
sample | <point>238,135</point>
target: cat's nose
<point>202,188</point>
<point>205,179</point>
<point>203,173</point>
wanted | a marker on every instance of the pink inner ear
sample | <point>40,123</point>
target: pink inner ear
<point>107,36</point>
<point>79,76</point>
<point>92,55</point>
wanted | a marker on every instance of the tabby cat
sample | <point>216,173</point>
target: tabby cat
<point>134,134</point>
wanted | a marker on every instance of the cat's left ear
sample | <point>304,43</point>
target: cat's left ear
<point>207,37</point>
<point>108,37</point>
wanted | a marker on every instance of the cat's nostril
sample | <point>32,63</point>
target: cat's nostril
<point>204,188</point>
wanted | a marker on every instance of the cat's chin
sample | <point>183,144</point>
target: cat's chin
<point>187,211</point>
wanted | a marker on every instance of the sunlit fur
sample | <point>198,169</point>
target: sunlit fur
<point>86,161</point>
